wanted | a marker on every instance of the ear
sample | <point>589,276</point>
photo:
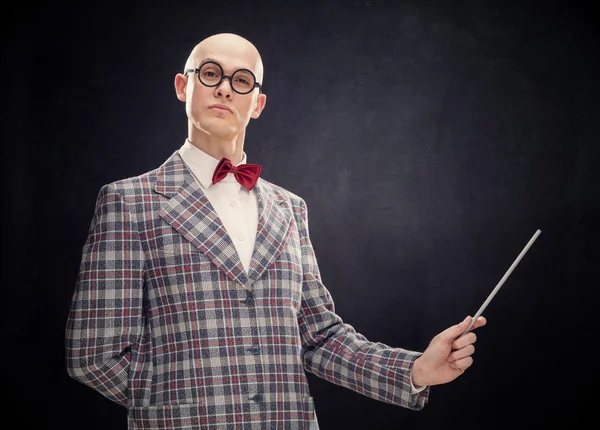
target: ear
<point>260,105</point>
<point>180,85</point>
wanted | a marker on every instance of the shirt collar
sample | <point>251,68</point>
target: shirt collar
<point>202,165</point>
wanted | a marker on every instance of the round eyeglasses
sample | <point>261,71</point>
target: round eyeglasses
<point>211,74</point>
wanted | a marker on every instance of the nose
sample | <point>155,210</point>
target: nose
<point>224,89</point>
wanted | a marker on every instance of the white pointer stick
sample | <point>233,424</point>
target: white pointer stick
<point>506,275</point>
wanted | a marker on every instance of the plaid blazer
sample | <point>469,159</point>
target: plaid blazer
<point>166,322</point>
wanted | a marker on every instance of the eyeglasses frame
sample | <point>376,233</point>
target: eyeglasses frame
<point>224,76</point>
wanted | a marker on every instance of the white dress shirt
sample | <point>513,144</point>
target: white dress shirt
<point>236,207</point>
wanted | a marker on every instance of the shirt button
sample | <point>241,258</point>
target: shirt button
<point>257,398</point>
<point>232,203</point>
<point>249,301</point>
<point>255,350</point>
<point>241,238</point>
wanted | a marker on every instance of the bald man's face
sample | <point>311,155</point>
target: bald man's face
<point>219,111</point>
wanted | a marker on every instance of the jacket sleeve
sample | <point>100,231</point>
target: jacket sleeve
<point>334,351</point>
<point>105,318</point>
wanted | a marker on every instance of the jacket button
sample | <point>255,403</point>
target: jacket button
<point>249,301</point>
<point>257,398</point>
<point>255,350</point>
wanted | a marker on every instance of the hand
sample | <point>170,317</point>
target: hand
<point>447,356</point>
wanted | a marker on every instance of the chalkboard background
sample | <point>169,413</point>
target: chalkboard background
<point>429,139</point>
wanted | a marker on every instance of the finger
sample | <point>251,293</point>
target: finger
<point>462,364</point>
<point>480,322</point>
<point>456,330</point>
<point>465,340</point>
<point>461,353</point>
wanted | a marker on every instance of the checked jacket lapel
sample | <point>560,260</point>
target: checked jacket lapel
<point>274,221</point>
<point>190,213</point>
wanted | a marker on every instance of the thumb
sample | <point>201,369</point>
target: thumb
<point>456,330</point>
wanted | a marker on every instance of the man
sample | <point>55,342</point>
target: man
<point>199,302</point>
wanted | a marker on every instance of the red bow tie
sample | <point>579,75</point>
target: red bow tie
<point>245,174</point>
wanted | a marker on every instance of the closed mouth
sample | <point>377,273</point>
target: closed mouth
<point>221,107</point>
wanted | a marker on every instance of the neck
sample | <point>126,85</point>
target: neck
<point>216,146</point>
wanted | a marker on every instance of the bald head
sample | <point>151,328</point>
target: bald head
<point>232,46</point>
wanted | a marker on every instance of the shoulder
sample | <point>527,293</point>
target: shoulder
<point>285,195</point>
<point>170,174</point>
<point>132,186</point>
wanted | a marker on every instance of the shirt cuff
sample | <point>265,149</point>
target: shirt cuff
<point>415,390</point>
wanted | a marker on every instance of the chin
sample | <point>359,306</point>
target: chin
<point>217,127</point>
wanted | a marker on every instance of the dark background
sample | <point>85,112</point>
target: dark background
<point>429,139</point>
